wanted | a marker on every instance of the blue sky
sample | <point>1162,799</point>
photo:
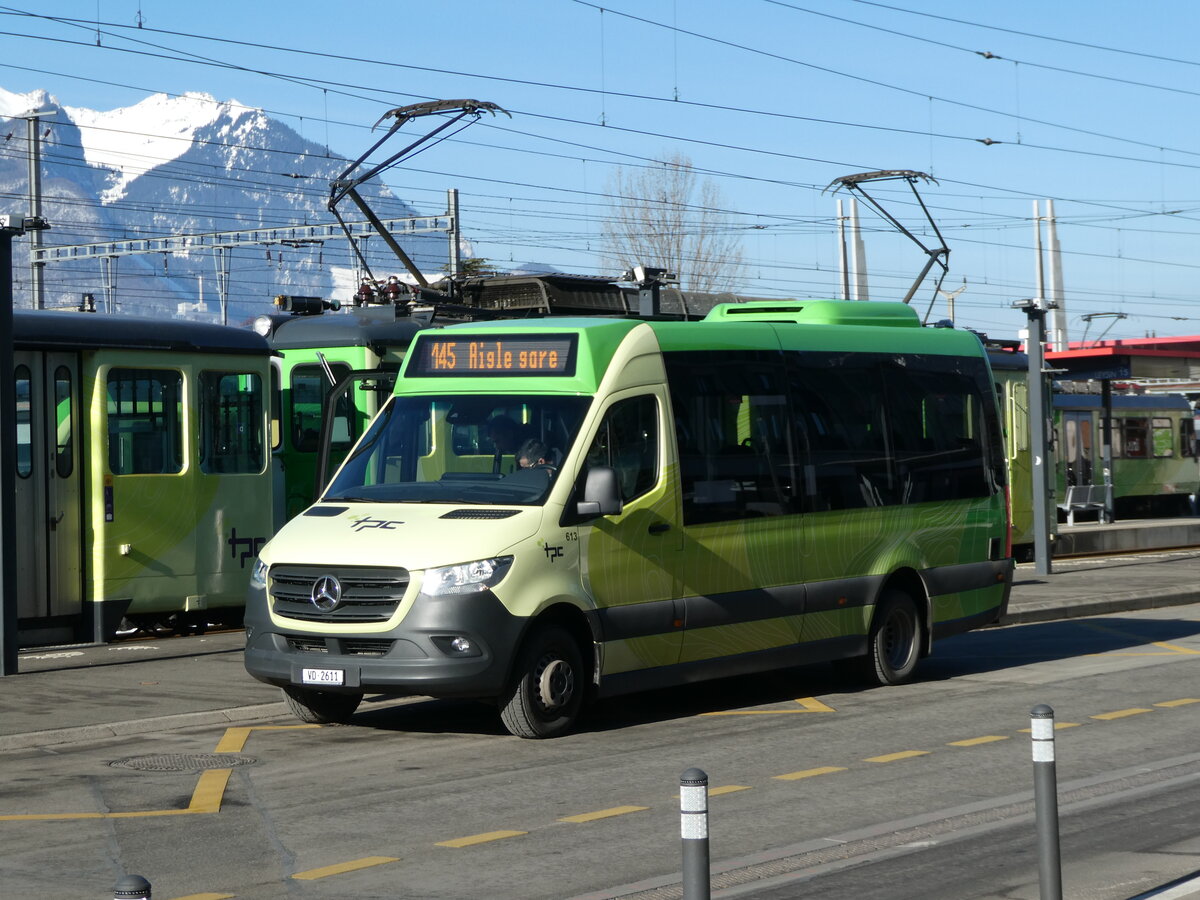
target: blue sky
<point>1091,104</point>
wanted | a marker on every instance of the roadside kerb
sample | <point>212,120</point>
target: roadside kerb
<point>1051,610</point>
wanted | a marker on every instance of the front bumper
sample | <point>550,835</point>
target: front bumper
<point>414,658</point>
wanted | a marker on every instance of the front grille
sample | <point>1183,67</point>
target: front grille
<point>369,593</point>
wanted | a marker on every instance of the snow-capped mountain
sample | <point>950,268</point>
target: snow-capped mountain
<point>185,165</point>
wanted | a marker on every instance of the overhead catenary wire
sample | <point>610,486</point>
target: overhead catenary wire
<point>1014,220</point>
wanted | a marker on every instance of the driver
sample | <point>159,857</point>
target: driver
<point>533,454</point>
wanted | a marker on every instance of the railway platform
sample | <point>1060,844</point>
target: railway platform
<point>1087,538</point>
<point>67,694</point>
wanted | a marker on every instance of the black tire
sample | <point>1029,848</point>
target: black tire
<point>320,707</point>
<point>547,687</point>
<point>894,643</point>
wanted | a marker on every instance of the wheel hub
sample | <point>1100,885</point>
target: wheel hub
<point>556,684</point>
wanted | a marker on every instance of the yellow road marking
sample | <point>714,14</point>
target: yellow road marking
<point>809,773</point>
<point>235,738</point>
<point>352,866</point>
<point>893,757</point>
<point>975,742</point>
<point>480,838</point>
<point>1176,648</point>
<point>1120,714</point>
<point>603,814</point>
<point>807,704</point>
<point>728,789</point>
<point>812,704</point>
<point>206,798</point>
<point>1184,702</point>
<point>208,897</point>
<point>1172,648</point>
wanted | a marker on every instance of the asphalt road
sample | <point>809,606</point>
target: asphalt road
<point>818,789</point>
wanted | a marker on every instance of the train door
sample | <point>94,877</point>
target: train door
<point>1078,446</point>
<point>48,495</point>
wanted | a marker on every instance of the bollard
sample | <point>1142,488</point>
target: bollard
<point>132,887</point>
<point>1045,799</point>
<point>693,828</point>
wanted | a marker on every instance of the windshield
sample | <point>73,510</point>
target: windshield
<point>494,449</point>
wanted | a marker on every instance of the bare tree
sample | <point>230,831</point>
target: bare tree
<point>661,216</point>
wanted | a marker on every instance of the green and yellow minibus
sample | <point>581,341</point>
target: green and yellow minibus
<point>552,509</point>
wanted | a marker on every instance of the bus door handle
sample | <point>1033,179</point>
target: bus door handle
<point>54,520</point>
<point>659,527</point>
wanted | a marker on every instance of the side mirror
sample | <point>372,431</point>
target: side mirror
<point>601,494</point>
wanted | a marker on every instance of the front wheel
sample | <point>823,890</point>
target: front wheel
<point>546,691</point>
<point>894,644</point>
<point>321,707</point>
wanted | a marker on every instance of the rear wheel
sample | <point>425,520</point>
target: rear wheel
<point>546,692</point>
<point>894,644</point>
<point>320,707</point>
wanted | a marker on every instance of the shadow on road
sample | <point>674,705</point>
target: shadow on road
<point>989,650</point>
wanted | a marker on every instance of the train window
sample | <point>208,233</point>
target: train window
<point>231,433</point>
<point>1117,442</point>
<point>1187,437</point>
<point>276,409</point>
<point>145,421</point>
<point>64,460</point>
<point>1135,437</point>
<point>307,394</point>
<point>24,437</point>
<point>1162,435</point>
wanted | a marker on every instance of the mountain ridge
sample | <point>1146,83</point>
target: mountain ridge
<point>185,164</point>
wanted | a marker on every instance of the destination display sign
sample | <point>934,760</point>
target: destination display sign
<point>512,354</point>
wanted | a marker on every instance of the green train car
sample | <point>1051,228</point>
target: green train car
<point>1155,470</point>
<point>313,351</point>
<point>142,473</point>
<point>1010,372</point>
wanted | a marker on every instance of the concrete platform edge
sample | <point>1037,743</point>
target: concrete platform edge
<point>1051,611</point>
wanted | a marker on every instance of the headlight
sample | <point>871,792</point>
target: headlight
<point>466,578</point>
<point>258,576</point>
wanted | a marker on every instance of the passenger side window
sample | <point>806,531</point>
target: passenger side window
<point>231,432</point>
<point>1135,434</point>
<point>736,450</point>
<point>145,421</point>
<point>628,441</point>
<point>1162,437</point>
<point>24,422</point>
<point>308,387</point>
<point>936,432</point>
<point>841,422</point>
